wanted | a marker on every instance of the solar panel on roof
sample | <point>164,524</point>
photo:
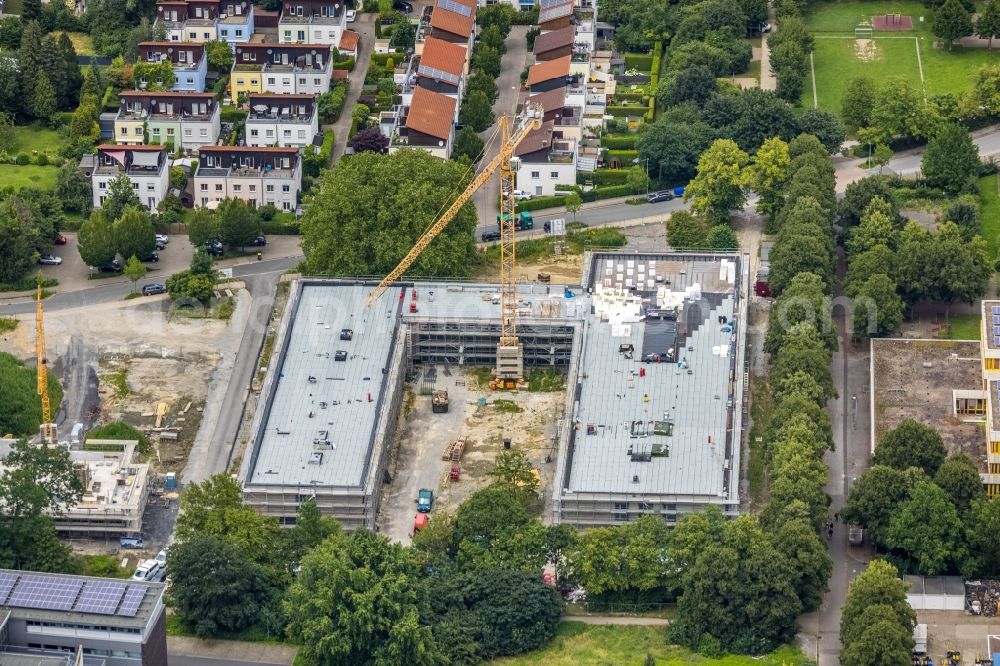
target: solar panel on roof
<point>555,11</point>
<point>45,592</point>
<point>456,7</point>
<point>7,581</point>
<point>100,597</point>
<point>439,74</point>
<point>133,598</point>
<point>545,4</point>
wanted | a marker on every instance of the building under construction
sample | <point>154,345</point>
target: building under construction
<point>653,347</point>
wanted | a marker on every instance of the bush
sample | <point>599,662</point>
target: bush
<point>347,63</point>
<point>219,88</point>
<point>620,141</point>
<point>283,225</point>
<point>640,61</point>
<point>525,18</point>
<point>608,192</point>
<point>230,114</point>
<point>624,156</point>
<point>42,160</point>
<point>538,203</point>
<point>118,430</point>
<point>23,159</point>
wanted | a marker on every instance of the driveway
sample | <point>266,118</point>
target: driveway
<point>365,27</point>
<point>508,83</point>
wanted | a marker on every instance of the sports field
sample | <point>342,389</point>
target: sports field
<point>839,55</point>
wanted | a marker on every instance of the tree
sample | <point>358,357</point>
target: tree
<point>369,139</point>
<point>215,589</point>
<point>718,187</point>
<point>760,115</point>
<point>188,287</point>
<point>910,444</point>
<point>468,145</point>
<point>493,530</point>
<point>879,591</point>
<point>489,608</point>
<point>966,213</point>
<point>135,270</point>
<point>637,178</point>
<point>810,562</point>
<point>486,59</point>
<point>10,86</point>
<point>220,56</point>
<point>95,241</point>
<point>239,222</point>
<point>120,195</point>
<point>876,497</point>
<point>959,478</point>
<point>493,38</point>
<point>480,80</point>
<point>215,507</point>
<point>951,160</point>
<point>8,137</point>
<point>311,529</point>
<point>514,472</point>
<point>722,237</point>
<point>92,84</point>
<point>881,156</point>
<point>767,174</point>
<point>17,249</point>
<point>825,126</point>
<point>610,561</point>
<point>988,23</point>
<point>858,102</point>
<point>133,233</point>
<point>476,111</point>
<point>403,35</point>
<point>368,211</point>
<point>859,194</point>
<point>928,529</point>
<point>573,203</point>
<point>202,227</point>
<point>31,10</point>
<point>982,533</point>
<point>685,230</point>
<point>695,84</point>
<point>202,263</point>
<point>43,99</point>
<point>673,146</point>
<point>878,297</point>
<point>803,349</point>
<point>359,599</point>
<point>865,265</point>
<point>802,301</point>
<point>952,21</point>
<point>801,248</point>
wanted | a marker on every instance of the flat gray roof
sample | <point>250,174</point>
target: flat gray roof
<point>309,376</point>
<point>623,401</point>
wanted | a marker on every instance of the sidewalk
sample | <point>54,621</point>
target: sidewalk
<point>365,27</point>
<point>254,653</point>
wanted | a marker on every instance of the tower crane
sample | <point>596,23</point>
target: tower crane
<point>48,429</point>
<point>510,359</point>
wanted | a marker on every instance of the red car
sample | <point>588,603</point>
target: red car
<point>60,239</point>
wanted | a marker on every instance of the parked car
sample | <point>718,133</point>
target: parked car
<point>260,241</point>
<point>490,236</point>
<point>402,6</point>
<point>425,500</point>
<point>49,260</point>
<point>215,248</point>
<point>113,267</point>
<point>352,16</point>
<point>152,256</point>
<point>521,195</point>
<point>657,197</point>
<point>765,27</point>
<point>154,289</point>
<point>160,247</point>
<point>60,239</point>
<point>162,238</point>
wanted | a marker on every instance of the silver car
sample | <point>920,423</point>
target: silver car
<point>49,260</point>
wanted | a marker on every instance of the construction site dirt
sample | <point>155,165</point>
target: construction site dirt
<point>528,419</point>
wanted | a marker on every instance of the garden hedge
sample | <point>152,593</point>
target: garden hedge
<point>639,61</point>
<point>619,141</point>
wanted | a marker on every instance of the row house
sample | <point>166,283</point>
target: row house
<point>565,112</point>
<point>302,69</point>
<point>187,59</point>
<point>181,120</point>
<point>147,167</point>
<point>555,14</point>
<point>312,22</point>
<point>554,44</point>
<point>546,158</point>
<point>281,120</point>
<point>442,67</point>
<point>258,175</point>
<point>426,122</point>
<point>205,20</point>
<point>453,21</point>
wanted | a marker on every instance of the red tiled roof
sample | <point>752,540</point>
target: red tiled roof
<point>431,113</point>
<point>453,22</point>
<point>339,75</point>
<point>349,40</point>
<point>548,70</point>
<point>443,55</point>
<point>556,39</point>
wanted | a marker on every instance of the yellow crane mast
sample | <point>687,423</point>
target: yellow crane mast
<point>48,429</point>
<point>509,356</point>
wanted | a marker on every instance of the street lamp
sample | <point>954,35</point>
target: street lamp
<point>636,161</point>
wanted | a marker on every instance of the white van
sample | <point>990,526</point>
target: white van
<point>147,570</point>
<point>76,434</point>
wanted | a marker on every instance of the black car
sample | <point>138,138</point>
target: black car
<point>161,246</point>
<point>152,256</point>
<point>402,6</point>
<point>113,267</point>
<point>490,236</point>
<point>260,241</point>
<point>657,197</point>
<point>215,248</point>
<point>153,289</point>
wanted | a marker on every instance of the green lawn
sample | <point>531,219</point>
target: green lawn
<point>579,644</point>
<point>42,177</point>
<point>32,138</point>
<point>990,199</point>
<point>964,327</point>
<point>839,57</point>
<point>13,7</point>
<point>82,43</point>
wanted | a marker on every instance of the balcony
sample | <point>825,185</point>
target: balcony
<point>314,19</point>
<point>282,118</point>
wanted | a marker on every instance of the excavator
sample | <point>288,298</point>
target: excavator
<point>510,357</point>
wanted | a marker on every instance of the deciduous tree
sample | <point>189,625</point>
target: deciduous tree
<point>718,188</point>
<point>878,585</point>
<point>135,270</point>
<point>878,308</point>
<point>952,21</point>
<point>910,444</point>
<point>133,233</point>
<point>685,230</point>
<point>767,174</point>
<point>120,195</point>
<point>951,160</point>
<point>988,23</point>
<point>202,227</point>
<point>928,529</point>
<point>513,472</point>
<point>476,111</point>
<point>467,144</point>
<point>95,241</point>
<point>239,222</point>
<point>959,478</point>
